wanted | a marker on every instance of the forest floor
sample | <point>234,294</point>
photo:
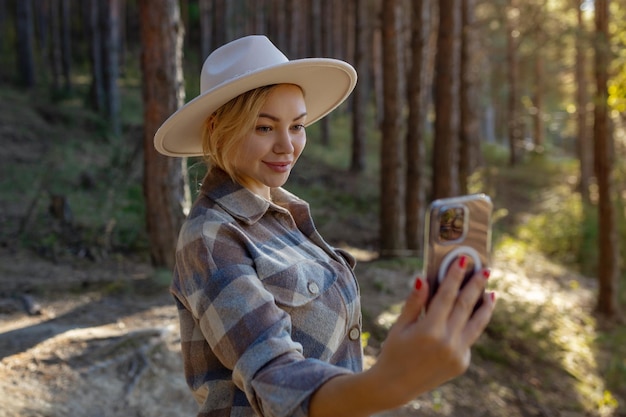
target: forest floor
<point>87,338</point>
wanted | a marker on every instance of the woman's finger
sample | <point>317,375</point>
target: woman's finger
<point>466,301</point>
<point>479,321</point>
<point>444,299</point>
<point>415,303</point>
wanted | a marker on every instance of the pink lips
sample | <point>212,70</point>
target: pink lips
<point>279,166</point>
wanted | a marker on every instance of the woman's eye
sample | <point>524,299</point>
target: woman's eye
<point>263,129</point>
<point>298,128</point>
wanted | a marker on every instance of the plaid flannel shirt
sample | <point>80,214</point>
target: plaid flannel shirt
<point>268,310</point>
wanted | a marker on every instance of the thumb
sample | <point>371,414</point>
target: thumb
<point>415,302</point>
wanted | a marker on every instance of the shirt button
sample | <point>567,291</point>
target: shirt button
<point>313,288</point>
<point>354,334</point>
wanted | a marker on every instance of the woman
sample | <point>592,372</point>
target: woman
<point>269,312</point>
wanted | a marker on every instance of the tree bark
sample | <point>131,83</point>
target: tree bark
<point>470,156</point>
<point>392,183</point>
<point>206,28</point>
<point>608,261</point>
<point>94,35</point>
<point>66,45</point>
<point>165,186</point>
<point>538,125</point>
<point>25,44</point>
<point>513,125</point>
<point>111,22</point>
<point>584,148</point>
<point>55,49</point>
<point>360,96</point>
<point>417,87</point>
<point>446,143</point>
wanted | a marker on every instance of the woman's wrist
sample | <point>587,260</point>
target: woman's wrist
<point>357,395</point>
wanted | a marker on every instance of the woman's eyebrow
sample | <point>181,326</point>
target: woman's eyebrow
<point>276,119</point>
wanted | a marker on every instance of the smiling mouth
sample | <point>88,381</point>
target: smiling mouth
<point>279,166</point>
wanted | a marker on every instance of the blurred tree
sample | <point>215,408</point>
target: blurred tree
<point>447,107</point>
<point>537,110</point>
<point>110,26</point>
<point>103,32</point>
<point>60,48</point>
<point>419,84</point>
<point>584,146</point>
<point>326,49</point>
<point>514,122</point>
<point>608,262</point>
<point>469,133</point>
<point>207,27</point>
<point>94,36</point>
<point>165,182</point>
<point>25,44</point>
<point>360,97</point>
<point>392,183</point>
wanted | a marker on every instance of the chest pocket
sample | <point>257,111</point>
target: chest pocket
<point>300,283</point>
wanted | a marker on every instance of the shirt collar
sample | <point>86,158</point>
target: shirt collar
<point>242,203</point>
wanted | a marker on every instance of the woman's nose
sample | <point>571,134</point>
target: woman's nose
<point>284,142</point>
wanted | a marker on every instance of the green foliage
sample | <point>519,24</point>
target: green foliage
<point>556,231</point>
<point>94,176</point>
<point>613,340</point>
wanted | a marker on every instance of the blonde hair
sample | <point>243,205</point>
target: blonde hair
<point>225,129</point>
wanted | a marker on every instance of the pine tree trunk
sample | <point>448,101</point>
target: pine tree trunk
<point>165,186</point>
<point>608,262</point>
<point>513,124</point>
<point>94,35</point>
<point>206,28</point>
<point>360,97</point>
<point>538,125</point>
<point>25,44</point>
<point>111,21</point>
<point>55,51</point>
<point>447,108</point>
<point>470,156</point>
<point>392,183</point>
<point>418,85</point>
<point>66,45</point>
<point>585,151</point>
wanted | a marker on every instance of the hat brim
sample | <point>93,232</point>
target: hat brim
<point>326,84</point>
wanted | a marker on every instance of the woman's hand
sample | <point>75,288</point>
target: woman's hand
<point>424,350</point>
<point>421,352</point>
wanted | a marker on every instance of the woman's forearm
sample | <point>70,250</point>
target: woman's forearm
<point>354,395</point>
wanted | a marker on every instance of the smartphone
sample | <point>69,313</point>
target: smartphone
<point>453,227</point>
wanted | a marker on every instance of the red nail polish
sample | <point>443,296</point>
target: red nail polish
<point>492,296</point>
<point>463,261</point>
<point>418,284</point>
<point>486,273</point>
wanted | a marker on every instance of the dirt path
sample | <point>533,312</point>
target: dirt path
<point>117,354</point>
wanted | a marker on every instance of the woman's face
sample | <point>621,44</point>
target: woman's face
<point>272,148</point>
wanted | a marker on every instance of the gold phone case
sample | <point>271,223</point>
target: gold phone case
<point>457,226</point>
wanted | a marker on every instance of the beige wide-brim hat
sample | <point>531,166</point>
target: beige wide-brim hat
<point>243,65</point>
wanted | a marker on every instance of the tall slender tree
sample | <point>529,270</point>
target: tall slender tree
<point>97,97</point>
<point>470,156</point>
<point>392,183</point>
<point>417,87</point>
<point>25,44</point>
<point>447,77</point>
<point>583,143</point>
<point>514,126</point>
<point>110,25</point>
<point>360,97</point>
<point>608,262</point>
<point>165,185</point>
